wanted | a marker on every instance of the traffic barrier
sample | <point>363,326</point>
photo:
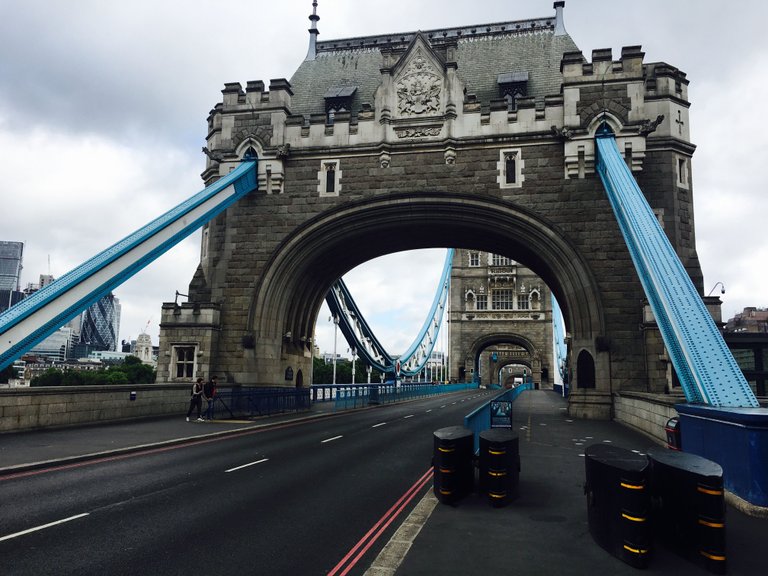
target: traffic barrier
<point>454,475</point>
<point>499,464</point>
<point>618,502</point>
<point>689,506</point>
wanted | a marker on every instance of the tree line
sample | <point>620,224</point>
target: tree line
<point>323,372</point>
<point>130,371</point>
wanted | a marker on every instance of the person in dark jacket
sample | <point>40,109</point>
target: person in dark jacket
<point>196,401</point>
<point>209,393</point>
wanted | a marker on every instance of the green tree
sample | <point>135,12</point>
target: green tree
<point>7,373</point>
<point>130,371</point>
<point>51,377</point>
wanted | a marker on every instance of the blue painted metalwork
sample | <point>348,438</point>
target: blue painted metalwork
<point>480,418</point>
<point>705,366</point>
<point>735,438</point>
<point>242,402</point>
<point>347,396</point>
<point>354,328</point>
<point>359,335</point>
<point>561,350</point>
<point>35,318</point>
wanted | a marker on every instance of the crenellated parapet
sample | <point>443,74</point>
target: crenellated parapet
<point>249,122</point>
<point>641,103</point>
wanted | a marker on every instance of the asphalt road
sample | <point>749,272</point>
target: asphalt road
<point>290,499</point>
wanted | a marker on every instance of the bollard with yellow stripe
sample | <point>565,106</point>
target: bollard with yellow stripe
<point>689,507</point>
<point>618,502</point>
<point>452,458</point>
<point>499,464</point>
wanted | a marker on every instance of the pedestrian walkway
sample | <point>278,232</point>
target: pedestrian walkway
<point>545,531</point>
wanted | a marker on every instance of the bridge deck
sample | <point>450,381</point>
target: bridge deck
<point>543,531</point>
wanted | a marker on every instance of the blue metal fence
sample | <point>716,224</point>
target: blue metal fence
<point>347,396</point>
<point>480,419</point>
<point>244,402</point>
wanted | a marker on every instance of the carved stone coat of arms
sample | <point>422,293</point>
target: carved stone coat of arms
<point>419,88</point>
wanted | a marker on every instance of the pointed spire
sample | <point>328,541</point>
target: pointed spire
<point>313,32</point>
<point>559,24</point>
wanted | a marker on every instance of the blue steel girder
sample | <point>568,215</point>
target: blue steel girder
<point>37,317</point>
<point>359,335</point>
<point>707,371</point>
<point>354,328</point>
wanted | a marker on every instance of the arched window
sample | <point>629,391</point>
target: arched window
<point>585,370</point>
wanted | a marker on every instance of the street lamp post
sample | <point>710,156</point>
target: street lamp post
<point>335,335</point>
<point>354,357</point>
<point>722,288</point>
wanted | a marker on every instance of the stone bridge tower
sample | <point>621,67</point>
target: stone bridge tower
<point>478,137</point>
<point>500,314</point>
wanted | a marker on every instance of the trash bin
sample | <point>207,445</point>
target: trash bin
<point>454,470</point>
<point>618,502</point>
<point>499,465</point>
<point>689,506</point>
<point>672,428</point>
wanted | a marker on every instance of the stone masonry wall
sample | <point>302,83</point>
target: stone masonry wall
<point>34,408</point>
<point>647,413</point>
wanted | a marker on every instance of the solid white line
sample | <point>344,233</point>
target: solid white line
<point>246,465</point>
<point>409,416</point>
<point>43,527</point>
<point>379,424</point>
<point>331,439</point>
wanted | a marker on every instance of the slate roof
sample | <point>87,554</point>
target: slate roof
<point>483,53</point>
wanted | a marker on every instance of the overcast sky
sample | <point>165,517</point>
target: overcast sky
<point>103,110</point>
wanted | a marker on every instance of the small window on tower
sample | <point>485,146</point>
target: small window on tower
<point>329,178</point>
<point>510,167</point>
<point>184,361</point>
<point>510,170</point>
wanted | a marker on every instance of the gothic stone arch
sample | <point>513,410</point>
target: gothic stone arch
<point>427,154</point>
<point>531,357</point>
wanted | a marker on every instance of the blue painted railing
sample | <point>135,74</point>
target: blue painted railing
<point>705,366</point>
<point>480,419</point>
<point>558,388</point>
<point>347,396</point>
<point>242,402</point>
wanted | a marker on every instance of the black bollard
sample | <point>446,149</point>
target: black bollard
<point>454,474</point>
<point>499,465</point>
<point>618,502</point>
<point>689,506</point>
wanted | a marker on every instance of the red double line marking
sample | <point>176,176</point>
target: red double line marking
<point>353,556</point>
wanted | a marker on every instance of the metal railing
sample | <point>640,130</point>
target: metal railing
<point>480,419</point>
<point>347,396</point>
<point>243,402</point>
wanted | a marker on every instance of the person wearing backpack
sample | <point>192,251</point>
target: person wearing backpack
<point>209,393</point>
<point>196,401</point>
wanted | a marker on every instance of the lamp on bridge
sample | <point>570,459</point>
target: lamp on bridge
<point>353,350</point>
<point>722,288</point>
<point>335,320</point>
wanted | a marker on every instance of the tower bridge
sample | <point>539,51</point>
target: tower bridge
<point>477,138</point>
<point>500,139</point>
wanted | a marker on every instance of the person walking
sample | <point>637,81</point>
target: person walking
<point>196,401</point>
<point>209,394</point>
